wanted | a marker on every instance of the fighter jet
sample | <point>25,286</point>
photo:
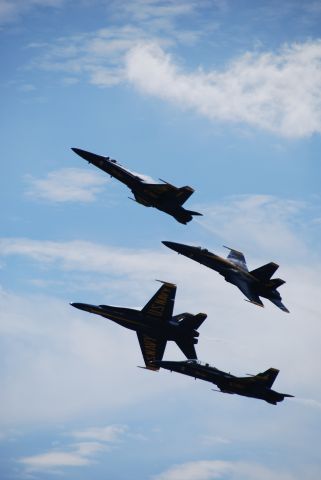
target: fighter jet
<point>254,284</point>
<point>256,386</point>
<point>155,324</point>
<point>164,197</point>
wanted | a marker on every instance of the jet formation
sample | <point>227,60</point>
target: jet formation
<point>255,386</point>
<point>163,196</point>
<point>253,284</point>
<point>155,324</point>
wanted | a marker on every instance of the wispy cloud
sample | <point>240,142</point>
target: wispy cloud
<point>216,469</point>
<point>56,343</point>
<point>262,223</point>
<point>11,10</point>
<point>309,402</point>
<point>279,92</point>
<point>78,454</point>
<point>67,185</point>
<point>110,433</point>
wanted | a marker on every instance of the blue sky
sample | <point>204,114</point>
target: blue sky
<point>221,95</point>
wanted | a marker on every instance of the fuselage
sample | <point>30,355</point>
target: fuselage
<point>227,383</point>
<point>160,196</point>
<point>232,272</point>
<point>137,321</point>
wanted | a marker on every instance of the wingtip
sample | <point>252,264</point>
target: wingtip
<point>154,369</point>
<point>170,284</point>
<point>254,303</point>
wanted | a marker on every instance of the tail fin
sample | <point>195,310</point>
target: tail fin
<point>193,322</point>
<point>265,272</point>
<point>183,194</point>
<point>268,376</point>
<point>277,282</point>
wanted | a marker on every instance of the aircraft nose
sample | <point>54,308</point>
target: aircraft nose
<point>90,157</point>
<point>83,306</point>
<point>179,247</point>
<point>173,245</point>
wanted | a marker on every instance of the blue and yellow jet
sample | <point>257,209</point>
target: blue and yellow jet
<point>155,324</point>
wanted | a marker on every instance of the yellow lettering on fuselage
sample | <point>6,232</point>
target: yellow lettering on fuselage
<point>150,347</point>
<point>158,307</point>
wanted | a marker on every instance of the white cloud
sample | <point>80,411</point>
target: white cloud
<point>67,185</point>
<point>279,92</point>
<point>87,256</point>
<point>260,223</point>
<point>109,433</point>
<point>63,349</point>
<point>216,469</point>
<point>276,91</point>
<point>78,454</point>
<point>54,460</point>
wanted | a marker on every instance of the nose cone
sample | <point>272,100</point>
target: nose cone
<point>90,157</point>
<point>180,248</point>
<point>85,306</point>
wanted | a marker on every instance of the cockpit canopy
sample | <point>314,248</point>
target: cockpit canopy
<point>195,361</point>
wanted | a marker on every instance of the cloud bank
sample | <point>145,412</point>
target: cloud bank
<point>67,185</point>
<point>216,469</point>
<point>278,92</point>
<point>94,441</point>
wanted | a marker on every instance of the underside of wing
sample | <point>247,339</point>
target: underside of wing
<point>152,349</point>
<point>250,294</point>
<point>158,189</point>
<point>237,258</point>
<point>161,305</point>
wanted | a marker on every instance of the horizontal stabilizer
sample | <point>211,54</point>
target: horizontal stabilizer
<point>191,212</point>
<point>265,272</point>
<point>279,304</point>
<point>187,347</point>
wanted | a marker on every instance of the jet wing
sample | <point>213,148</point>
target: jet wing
<point>161,305</point>
<point>152,349</point>
<point>237,258</point>
<point>248,292</point>
<point>170,192</point>
<point>159,189</point>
